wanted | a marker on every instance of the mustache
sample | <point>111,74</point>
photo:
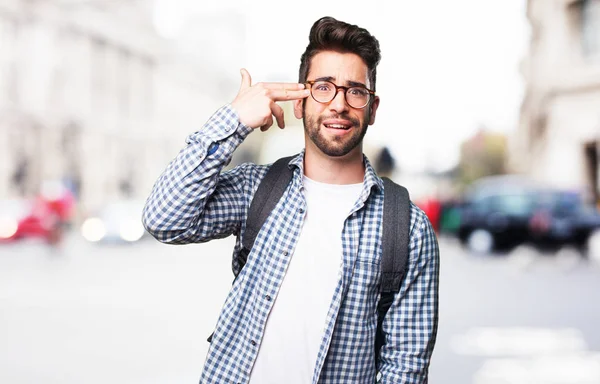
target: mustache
<point>341,117</point>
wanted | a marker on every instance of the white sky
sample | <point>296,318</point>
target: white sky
<point>447,66</point>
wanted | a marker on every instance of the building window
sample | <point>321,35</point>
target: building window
<point>590,28</point>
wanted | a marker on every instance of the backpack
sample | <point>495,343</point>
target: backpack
<point>395,237</point>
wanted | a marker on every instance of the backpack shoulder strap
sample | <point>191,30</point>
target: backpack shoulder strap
<point>265,199</point>
<point>396,227</point>
<point>394,257</point>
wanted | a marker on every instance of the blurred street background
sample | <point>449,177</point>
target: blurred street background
<point>490,116</point>
<point>86,313</point>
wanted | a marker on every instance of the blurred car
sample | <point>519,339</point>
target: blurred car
<point>59,199</point>
<point>562,218</point>
<point>21,218</point>
<point>117,222</point>
<point>495,222</point>
<point>496,212</point>
<point>500,212</point>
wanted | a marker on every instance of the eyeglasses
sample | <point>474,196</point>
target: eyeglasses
<point>325,91</point>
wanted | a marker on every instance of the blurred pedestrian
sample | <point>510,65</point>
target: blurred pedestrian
<point>385,163</point>
<point>304,307</point>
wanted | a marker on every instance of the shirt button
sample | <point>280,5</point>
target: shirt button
<point>253,343</point>
<point>213,148</point>
<point>268,298</point>
<point>285,253</point>
<point>301,210</point>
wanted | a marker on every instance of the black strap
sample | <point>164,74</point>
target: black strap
<point>265,199</point>
<point>394,256</point>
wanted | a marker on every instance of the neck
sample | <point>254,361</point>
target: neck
<point>348,169</point>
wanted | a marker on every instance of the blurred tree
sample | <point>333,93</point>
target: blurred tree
<point>482,155</point>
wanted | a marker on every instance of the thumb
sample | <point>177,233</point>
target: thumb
<point>246,79</point>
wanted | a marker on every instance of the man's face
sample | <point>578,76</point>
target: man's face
<point>335,128</point>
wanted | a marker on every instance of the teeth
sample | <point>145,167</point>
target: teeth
<point>337,126</point>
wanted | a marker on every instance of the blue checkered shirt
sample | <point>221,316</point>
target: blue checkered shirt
<point>195,200</point>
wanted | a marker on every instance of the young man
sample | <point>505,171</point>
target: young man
<point>303,309</point>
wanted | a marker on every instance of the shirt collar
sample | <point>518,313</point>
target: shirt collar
<point>371,179</point>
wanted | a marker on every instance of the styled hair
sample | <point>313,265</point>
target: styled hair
<point>329,34</point>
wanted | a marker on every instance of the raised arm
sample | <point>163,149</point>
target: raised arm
<point>180,195</point>
<point>193,201</point>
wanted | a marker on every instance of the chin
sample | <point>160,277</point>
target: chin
<point>339,152</point>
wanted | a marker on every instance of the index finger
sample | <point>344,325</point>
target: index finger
<point>288,86</point>
<point>283,95</point>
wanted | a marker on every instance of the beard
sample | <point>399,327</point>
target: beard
<point>335,146</point>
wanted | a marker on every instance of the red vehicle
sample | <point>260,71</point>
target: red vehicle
<point>433,209</point>
<point>44,217</point>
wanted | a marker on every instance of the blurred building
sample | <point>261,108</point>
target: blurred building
<point>559,131</point>
<point>90,94</point>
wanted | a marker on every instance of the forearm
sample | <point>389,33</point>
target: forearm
<point>177,203</point>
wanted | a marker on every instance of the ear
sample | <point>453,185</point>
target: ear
<point>298,108</point>
<point>374,106</point>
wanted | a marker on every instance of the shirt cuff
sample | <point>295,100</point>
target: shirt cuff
<point>242,129</point>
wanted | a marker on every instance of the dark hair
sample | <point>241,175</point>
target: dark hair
<point>329,34</point>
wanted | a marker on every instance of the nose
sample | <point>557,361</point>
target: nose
<point>338,104</point>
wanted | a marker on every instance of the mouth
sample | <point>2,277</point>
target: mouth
<point>338,124</point>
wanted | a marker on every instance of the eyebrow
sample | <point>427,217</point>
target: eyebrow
<point>350,83</point>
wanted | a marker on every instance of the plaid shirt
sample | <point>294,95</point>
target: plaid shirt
<point>194,200</point>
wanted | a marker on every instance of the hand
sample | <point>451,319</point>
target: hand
<point>256,104</point>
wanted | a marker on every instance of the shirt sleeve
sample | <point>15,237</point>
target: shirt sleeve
<point>410,326</point>
<point>192,200</point>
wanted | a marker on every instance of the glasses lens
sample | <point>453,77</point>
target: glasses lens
<point>357,97</point>
<point>323,91</point>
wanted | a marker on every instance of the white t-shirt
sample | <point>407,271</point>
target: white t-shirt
<point>296,324</point>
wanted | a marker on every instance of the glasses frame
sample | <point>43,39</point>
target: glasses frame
<point>337,88</point>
